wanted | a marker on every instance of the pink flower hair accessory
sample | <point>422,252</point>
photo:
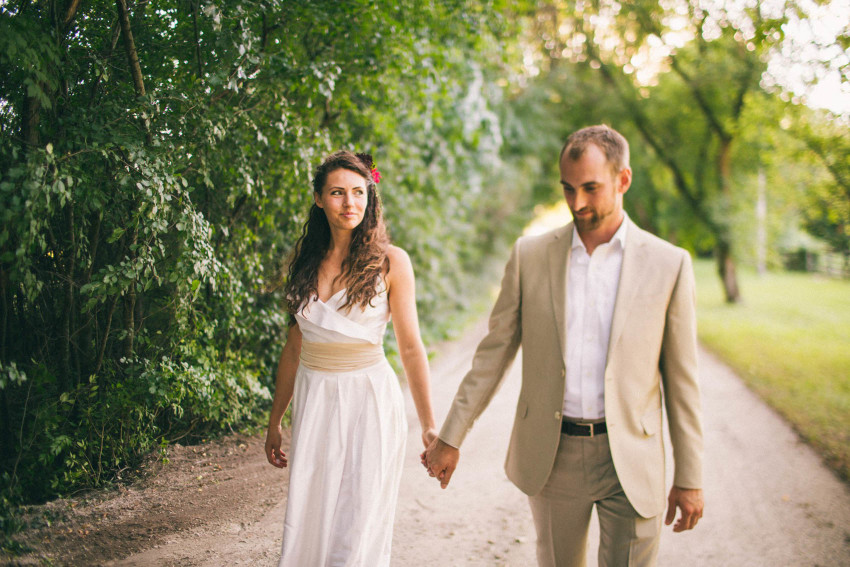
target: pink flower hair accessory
<point>369,163</point>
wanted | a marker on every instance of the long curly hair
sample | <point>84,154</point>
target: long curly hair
<point>367,254</point>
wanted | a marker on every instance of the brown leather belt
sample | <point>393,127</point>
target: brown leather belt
<point>583,429</point>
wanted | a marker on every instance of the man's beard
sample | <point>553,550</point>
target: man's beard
<point>589,223</point>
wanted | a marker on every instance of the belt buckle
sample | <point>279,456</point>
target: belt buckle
<point>589,425</point>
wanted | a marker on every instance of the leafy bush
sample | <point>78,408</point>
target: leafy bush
<point>147,203</point>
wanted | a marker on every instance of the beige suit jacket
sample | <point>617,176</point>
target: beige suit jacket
<point>651,360</point>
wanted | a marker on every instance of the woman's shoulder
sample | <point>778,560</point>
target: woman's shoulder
<point>400,267</point>
<point>397,254</point>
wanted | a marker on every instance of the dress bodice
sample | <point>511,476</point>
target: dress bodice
<point>324,321</point>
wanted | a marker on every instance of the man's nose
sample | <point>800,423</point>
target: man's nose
<point>580,200</point>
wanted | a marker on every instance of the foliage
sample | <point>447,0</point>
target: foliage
<point>827,211</point>
<point>788,343</point>
<point>687,110</point>
<point>152,189</point>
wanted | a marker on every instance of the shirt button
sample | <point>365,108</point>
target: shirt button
<point>557,415</point>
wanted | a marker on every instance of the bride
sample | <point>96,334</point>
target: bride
<point>348,420</point>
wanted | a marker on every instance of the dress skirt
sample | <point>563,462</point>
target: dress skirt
<point>349,431</point>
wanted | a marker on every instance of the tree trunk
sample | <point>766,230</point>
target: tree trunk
<point>130,46</point>
<point>30,117</point>
<point>130,309</point>
<point>68,320</point>
<point>761,223</point>
<point>99,362</point>
<point>6,439</point>
<point>726,270</point>
<point>726,261</point>
<point>4,319</point>
<point>70,12</point>
<point>195,7</point>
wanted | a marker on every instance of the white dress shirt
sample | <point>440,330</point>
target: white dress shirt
<point>591,292</point>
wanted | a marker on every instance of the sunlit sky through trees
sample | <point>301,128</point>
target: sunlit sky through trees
<point>811,60</point>
<point>810,65</point>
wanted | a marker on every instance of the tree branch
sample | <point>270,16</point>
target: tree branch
<point>195,7</point>
<point>652,28</point>
<point>130,46</point>
<point>70,13</point>
<point>642,122</point>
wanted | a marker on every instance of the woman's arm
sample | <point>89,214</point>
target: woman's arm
<point>284,386</point>
<point>402,297</point>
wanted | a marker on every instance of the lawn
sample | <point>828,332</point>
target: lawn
<point>789,339</point>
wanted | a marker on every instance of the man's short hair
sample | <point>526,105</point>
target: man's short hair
<point>612,143</point>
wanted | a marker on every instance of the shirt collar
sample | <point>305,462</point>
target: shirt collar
<point>619,236</point>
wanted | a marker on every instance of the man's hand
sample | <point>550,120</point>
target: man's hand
<point>441,460</point>
<point>690,502</point>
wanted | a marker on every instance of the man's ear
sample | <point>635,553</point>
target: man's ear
<point>624,179</point>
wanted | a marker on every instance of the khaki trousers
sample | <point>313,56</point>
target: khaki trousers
<point>584,475</point>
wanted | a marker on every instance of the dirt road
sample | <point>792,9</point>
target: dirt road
<point>770,501</point>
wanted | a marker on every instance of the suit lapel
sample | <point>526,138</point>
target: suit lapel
<point>634,262</point>
<point>559,250</point>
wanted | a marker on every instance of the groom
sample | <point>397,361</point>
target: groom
<point>604,312</point>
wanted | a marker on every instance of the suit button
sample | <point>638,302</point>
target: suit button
<point>563,372</point>
<point>557,415</point>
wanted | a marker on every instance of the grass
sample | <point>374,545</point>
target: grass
<point>789,339</point>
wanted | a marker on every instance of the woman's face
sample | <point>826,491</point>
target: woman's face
<point>344,199</point>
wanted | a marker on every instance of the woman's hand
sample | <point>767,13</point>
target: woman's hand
<point>274,437</point>
<point>428,435</point>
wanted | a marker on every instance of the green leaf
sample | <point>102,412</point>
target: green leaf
<point>116,234</point>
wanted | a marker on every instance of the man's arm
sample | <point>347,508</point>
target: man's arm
<point>492,359</point>
<point>682,400</point>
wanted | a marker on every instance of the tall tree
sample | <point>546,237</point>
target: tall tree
<point>716,57</point>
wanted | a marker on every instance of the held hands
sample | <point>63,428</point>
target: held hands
<point>276,457</point>
<point>690,502</point>
<point>440,460</point>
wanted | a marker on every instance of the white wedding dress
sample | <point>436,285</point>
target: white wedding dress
<point>348,439</point>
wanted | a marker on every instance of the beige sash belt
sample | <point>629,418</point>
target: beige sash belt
<point>340,357</point>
